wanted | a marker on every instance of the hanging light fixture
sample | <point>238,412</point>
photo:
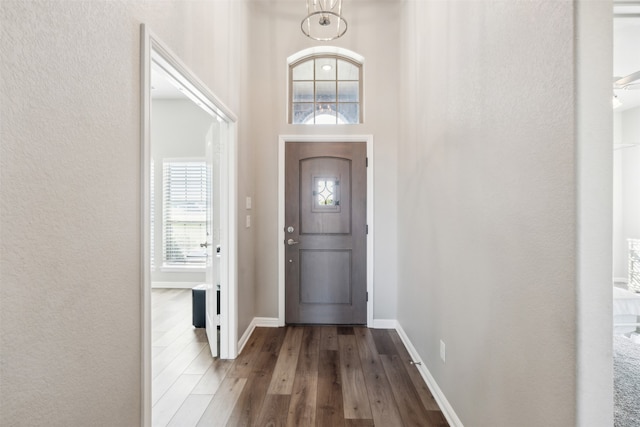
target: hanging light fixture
<point>324,20</point>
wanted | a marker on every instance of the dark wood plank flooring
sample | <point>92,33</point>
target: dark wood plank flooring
<point>294,376</point>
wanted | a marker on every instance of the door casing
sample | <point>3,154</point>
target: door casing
<point>283,139</point>
<point>151,45</point>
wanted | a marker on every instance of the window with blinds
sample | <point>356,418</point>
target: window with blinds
<point>184,213</point>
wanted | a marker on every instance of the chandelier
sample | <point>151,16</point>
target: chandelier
<point>324,20</point>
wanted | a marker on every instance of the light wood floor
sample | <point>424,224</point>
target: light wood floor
<point>294,376</point>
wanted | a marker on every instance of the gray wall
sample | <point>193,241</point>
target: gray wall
<point>488,203</point>
<point>70,200</point>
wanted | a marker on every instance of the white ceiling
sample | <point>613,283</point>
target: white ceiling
<point>162,87</point>
<point>626,49</point>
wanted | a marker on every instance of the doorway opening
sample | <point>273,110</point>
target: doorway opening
<point>188,205</point>
<point>626,212</point>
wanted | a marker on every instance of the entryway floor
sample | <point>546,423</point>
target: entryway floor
<point>294,376</point>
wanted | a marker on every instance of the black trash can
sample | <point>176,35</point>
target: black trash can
<point>198,305</point>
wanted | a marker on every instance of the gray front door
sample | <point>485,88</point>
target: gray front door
<point>325,233</point>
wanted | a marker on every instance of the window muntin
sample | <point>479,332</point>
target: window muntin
<point>325,90</point>
<point>326,194</point>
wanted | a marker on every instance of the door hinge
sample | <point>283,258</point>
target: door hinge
<point>367,296</point>
<point>366,162</point>
<point>367,228</point>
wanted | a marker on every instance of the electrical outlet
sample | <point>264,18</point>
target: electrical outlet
<point>248,202</point>
<point>442,351</point>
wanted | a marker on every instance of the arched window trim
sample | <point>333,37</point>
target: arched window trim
<point>325,52</point>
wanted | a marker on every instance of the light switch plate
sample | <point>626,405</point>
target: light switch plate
<point>248,202</point>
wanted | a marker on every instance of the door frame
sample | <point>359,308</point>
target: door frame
<point>152,46</point>
<point>282,140</point>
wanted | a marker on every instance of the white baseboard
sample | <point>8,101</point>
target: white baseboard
<point>245,336</point>
<point>442,401</point>
<point>385,324</point>
<point>264,322</point>
<point>620,280</point>
<point>174,285</point>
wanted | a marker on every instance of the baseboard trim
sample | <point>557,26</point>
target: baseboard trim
<point>174,285</point>
<point>266,322</point>
<point>620,280</point>
<point>442,401</point>
<point>245,336</point>
<point>263,322</point>
<point>385,324</point>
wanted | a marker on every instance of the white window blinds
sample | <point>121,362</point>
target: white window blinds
<point>184,213</point>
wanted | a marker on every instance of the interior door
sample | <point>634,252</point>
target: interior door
<point>212,277</point>
<point>325,233</point>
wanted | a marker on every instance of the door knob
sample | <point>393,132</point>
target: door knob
<point>291,242</point>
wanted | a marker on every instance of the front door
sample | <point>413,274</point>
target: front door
<point>325,233</point>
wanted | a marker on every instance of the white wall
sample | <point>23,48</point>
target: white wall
<point>275,34</point>
<point>178,130</point>
<point>626,189</point>
<point>70,198</point>
<point>619,261</point>
<point>487,207</point>
<point>593,40</point>
<point>631,172</point>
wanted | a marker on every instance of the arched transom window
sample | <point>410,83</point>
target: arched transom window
<point>325,89</point>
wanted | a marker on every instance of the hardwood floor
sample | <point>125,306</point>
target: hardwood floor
<point>293,376</point>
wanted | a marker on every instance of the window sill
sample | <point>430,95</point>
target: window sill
<point>181,269</point>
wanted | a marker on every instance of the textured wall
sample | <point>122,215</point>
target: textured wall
<point>70,203</point>
<point>275,35</point>
<point>487,201</point>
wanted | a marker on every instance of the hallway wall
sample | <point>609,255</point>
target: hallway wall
<point>70,324</point>
<point>488,208</point>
